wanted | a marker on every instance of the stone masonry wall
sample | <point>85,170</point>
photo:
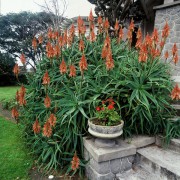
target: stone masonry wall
<point>171,14</point>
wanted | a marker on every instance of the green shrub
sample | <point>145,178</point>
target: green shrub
<point>140,89</point>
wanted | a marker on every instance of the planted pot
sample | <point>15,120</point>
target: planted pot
<point>105,132</point>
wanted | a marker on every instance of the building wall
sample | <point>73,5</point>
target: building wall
<point>171,14</point>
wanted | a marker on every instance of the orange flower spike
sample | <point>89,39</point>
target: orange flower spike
<point>106,24</point>
<point>174,49</point>
<point>165,31</point>
<point>91,18</point>
<point>131,26</point>
<point>16,69</point>
<point>22,90</point>
<point>63,67</point>
<point>129,36</point>
<point>72,29</point>
<point>109,61</point>
<point>52,120</point>
<point>148,41</point>
<point>36,127</point>
<point>104,52</point>
<point>72,72</point>
<point>107,42</point>
<point>56,34</point>
<point>17,96</point>
<point>162,43</point>
<point>93,36</point>
<point>100,21</point>
<point>23,59</point>
<point>175,94</point>
<point>34,43</point>
<point>46,78</point>
<point>40,39</point>
<point>47,130</point>
<point>143,54</point>
<point>139,34</point>
<point>60,41</point>
<point>79,22</point>
<point>75,162</point>
<point>155,36</point>
<point>116,26</point>
<point>65,37</point>
<point>14,113</point>
<point>47,102</point>
<point>83,63</point>
<point>175,59</point>
<point>50,33</point>
<point>120,34</point>
<point>81,45</point>
<point>57,51</point>
<point>166,55</point>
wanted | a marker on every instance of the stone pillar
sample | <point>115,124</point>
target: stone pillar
<point>104,163</point>
<point>170,12</point>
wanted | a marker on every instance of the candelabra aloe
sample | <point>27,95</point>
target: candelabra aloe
<point>76,73</point>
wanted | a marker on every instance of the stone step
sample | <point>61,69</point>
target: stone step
<point>165,164</point>
<point>174,144</point>
<point>137,173</point>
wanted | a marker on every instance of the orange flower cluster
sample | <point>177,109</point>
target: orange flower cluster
<point>116,27</point>
<point>91,25</point>
<point>175,54</point>
<point>106,25</point>
<point>175,94</point>
<point>107,53</point>
<point>151,46</point>
<point>16,70</point>
<point>100,22</point>
<point>63,67</point>
<point>20,96</point>
<point>40,39</point>
<point>47,130</point>
<point>46,78</point>
<point>83,64</point>
<point>71,35</point>
<point>52,51</point>
<point>47,102</point>
<point>36,127</point>
<point>120,37</point>
<point>23,59</point>
<point>14,113</point>
<point>34,43</point>
<point>72,72</point>
<point>81,45</point>
<point>52,119</point>
<point>81,27</point>
<point>130,31</point>
<point>75,162</point>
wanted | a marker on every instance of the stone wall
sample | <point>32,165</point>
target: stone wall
<point>171,13</point>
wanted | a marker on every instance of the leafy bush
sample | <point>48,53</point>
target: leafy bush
<point>72,79</point>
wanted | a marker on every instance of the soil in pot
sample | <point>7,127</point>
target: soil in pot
<point>104,122</point>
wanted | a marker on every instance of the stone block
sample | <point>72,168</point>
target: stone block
<point>100,167</point>
<point>168,1</point>
<point>126,164</point>
<point>141,141</point>
<point>121,149</point>
<point>115,166</point>
<point>93,175</point>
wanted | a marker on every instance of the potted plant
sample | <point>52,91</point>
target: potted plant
<point>106,124</point>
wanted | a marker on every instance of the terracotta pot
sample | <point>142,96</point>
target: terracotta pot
<point>105,132</point>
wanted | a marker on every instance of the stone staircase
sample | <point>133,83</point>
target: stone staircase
<point>155,163</point>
